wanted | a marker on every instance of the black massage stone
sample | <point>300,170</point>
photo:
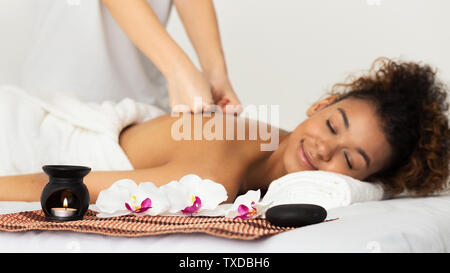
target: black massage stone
<point>295,215</point>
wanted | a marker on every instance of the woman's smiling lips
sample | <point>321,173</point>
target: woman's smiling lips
<point>304,158</point>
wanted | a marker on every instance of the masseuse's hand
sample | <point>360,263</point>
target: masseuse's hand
<point>185,82</point>
<point>186,86</point>
<point>223,94</point>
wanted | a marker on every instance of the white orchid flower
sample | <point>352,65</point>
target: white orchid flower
<point>247,206</point>
<point>193,195</point>
<point>126,197</point>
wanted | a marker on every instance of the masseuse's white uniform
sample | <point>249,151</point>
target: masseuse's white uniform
<point>76,46</point>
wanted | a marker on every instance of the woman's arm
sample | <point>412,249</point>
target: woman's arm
<point>28,187</point>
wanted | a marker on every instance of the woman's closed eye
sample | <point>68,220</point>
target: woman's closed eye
<point>333,131</point>
<point>349,164</point>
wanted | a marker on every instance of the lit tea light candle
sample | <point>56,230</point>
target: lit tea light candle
<point>65,211</point>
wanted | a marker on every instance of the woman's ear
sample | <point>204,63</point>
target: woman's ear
<point>316,107</point>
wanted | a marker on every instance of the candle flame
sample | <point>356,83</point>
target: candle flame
<point>65,204</point>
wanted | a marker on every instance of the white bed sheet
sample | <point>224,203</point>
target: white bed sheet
<point>397,225</point>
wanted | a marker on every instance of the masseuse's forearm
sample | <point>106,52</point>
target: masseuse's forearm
<point>200,21</point>
<point>138,20</point>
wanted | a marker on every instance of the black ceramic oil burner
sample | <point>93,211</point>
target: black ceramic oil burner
<point>65,197</point>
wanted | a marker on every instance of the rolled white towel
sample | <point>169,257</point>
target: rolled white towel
<point>326,189</point>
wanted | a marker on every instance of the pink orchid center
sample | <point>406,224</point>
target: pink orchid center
<point>245,212</point>
<point>196,205</point>
<point>144,206</point>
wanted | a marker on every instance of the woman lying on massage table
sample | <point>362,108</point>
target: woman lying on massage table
<point>389,125</point>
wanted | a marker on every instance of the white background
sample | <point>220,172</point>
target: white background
<point>290,52</point>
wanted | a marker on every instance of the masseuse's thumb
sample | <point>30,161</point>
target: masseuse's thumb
<point>230,104</point>
<point>201,104</point>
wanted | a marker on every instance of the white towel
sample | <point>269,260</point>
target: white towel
<point>47,127</point>
<point>326,189</point>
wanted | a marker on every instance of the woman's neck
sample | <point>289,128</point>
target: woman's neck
<point>268,167</point>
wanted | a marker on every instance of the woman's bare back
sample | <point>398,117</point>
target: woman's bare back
<point>152,145</point>
<point>159,158</point>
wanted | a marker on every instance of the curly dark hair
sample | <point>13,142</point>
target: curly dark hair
<point>411,103</point>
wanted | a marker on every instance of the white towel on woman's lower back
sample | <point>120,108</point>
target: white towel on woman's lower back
<point>326,189</point>
<point>47,127</point>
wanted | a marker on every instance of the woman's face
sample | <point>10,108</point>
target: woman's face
<point>344,137</point>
